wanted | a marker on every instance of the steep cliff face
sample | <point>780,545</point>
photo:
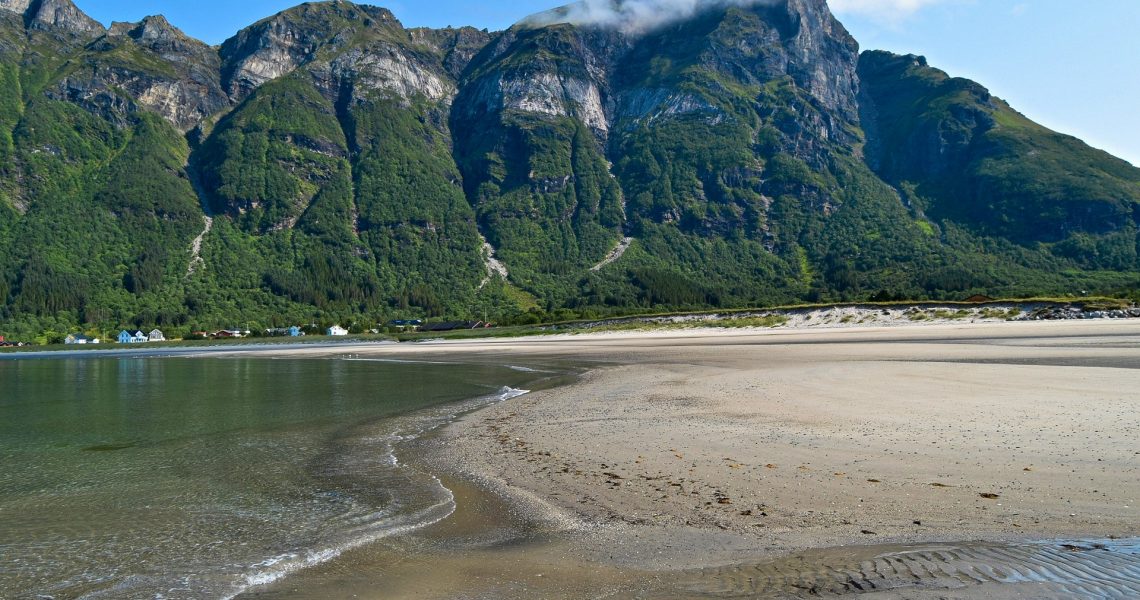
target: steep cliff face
<point>970,158</point>
<point>736,154</point>
<point>15,6</point>
<point>159,68</point>
<point>280,44</point>
<point>61,15</point>
<point>530,123</point>
<point>457,47</point>
<point>678,109</point>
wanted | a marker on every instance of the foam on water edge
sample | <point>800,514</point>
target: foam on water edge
<point>275,568</point>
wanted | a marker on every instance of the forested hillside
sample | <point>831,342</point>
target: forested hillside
<point>328,164</point>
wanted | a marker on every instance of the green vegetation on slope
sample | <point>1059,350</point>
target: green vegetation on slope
<point>354,187</point>
<point>970,158</point>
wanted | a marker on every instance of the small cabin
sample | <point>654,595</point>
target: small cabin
<point>156,336</point>
<point>336,330</point>
<point>295,331</point>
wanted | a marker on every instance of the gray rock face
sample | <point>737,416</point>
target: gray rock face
<point>16,6</point>
<point>598,74</point>
<point>457,47</point>
<point>789,40</point>
<point>824,57</point>
<point>573,80</point>
<point>156,33</point>
<point>386,70</point>
<point>583,77</point>
<point>280,44</point>
<point>196,93</point>
<point>185,91</point>
<point>61,15</point>
<point>257,57</point>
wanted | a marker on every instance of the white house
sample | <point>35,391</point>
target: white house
<point>156,336</point>
<point>337,330</point>
<point>77,338</point>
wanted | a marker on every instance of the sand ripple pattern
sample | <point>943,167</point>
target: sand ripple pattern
<point>1109,569</point>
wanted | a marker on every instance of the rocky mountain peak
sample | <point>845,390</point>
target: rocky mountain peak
<point>156,33</point>
<point>278,45</point>
<point>155,28</point>
<point>609,61</point>
<point>59,15</point>
<point>826,56</point>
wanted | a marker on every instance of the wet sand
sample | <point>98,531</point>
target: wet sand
<point>777,463</point>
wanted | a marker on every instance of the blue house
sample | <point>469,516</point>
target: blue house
<point>138,337</point>
<point>294,331</point>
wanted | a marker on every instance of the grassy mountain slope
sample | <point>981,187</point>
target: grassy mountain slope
<point>326,164</point>
<point>971,159</point>
<point>341,174</point>
<point>99,215</point>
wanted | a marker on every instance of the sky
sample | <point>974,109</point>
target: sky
<point>1073,66</point>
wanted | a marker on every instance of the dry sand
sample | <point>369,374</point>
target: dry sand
<point>675,453</point>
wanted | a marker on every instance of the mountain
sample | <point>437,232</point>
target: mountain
<point>327,163</point>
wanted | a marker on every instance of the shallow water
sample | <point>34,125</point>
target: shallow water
<point>199,477</point>
<point>1086,569</point>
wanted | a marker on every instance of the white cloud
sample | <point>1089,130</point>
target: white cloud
<point>890,11</point>
<point>630,16</point>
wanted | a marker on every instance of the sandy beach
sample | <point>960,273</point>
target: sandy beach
<point>677,459</point>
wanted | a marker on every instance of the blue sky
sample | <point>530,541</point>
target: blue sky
<point>1071,65</point>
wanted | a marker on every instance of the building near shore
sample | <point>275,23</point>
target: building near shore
<point>156,336</point>
<point>227,334</point>
<point>293,331</point>
<point>138,337</point>
<point>336,330</point>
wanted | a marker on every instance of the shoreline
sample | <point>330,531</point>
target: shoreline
<point>795,318</point>
<point>677,453</point>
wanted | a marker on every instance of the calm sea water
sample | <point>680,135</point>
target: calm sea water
<point>171,477</point>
